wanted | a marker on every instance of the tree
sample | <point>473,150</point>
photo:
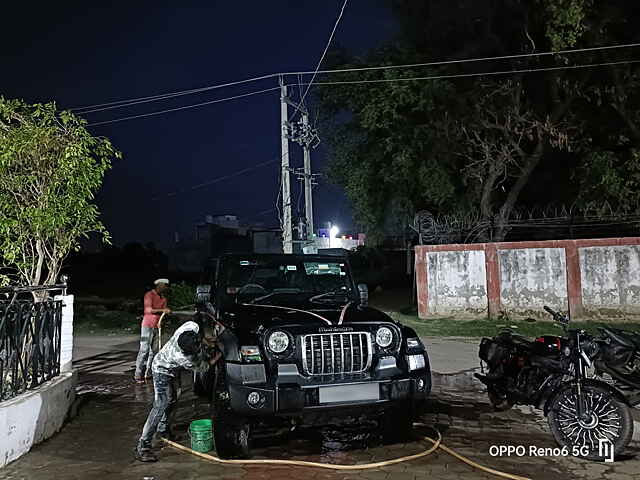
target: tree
<point>474,143</point>
<point>50,169</point>
<point>505,139</point>
<point>610,182</point>
<point>389,152</point>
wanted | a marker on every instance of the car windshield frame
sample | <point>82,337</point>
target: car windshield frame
<point>268,279</point>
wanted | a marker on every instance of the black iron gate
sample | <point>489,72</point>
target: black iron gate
<point>30,338</point>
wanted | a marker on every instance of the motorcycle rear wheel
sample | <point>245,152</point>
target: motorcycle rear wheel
<point>608,419</point>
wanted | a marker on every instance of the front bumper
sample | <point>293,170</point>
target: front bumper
<point>293,399</point>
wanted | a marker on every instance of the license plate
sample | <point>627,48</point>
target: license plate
<point>349,393</point>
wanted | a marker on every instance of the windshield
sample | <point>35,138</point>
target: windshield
<point>264,281</point>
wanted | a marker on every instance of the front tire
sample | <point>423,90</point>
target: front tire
<point>608,418</point>
<point>396,424</point>
<point>232,437</point>
<point>231,432</point>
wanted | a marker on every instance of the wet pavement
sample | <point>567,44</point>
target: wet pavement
<point>98,443</point>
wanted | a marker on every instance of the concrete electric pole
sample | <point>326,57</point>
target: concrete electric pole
<point>287,234</point>
<point>308,184</point>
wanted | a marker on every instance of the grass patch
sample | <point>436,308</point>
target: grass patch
<point>92,319</point>
<point>483,327</point>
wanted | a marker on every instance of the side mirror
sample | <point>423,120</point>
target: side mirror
<point>363,290</point>
<point>203,294</point>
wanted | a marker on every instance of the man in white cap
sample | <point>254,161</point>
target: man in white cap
<point>155,304</point>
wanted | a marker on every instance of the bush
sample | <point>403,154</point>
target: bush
<point>181,295</point>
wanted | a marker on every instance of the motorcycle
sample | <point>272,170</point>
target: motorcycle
<point>550,373</point>
<point>618,361</point>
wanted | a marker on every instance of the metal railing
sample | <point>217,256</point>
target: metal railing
<point>30,338</point>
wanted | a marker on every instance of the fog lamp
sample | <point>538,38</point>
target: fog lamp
<point>416,362</point>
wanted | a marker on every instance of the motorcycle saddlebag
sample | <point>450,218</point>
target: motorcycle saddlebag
<point>492,352</point>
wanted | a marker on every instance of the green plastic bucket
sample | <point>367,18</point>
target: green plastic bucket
<point>201,433</point>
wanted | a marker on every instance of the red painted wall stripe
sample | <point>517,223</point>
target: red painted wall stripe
<point>492,270</point>
<point>422,283</point>
<point>574,282</point>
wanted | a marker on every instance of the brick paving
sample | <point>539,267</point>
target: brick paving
<point>98,444</point>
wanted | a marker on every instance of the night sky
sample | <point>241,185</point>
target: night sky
<point>79,55</point>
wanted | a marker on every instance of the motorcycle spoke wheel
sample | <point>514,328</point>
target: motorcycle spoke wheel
<point>606,419</point>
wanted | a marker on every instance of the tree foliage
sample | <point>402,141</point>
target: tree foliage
<point>474,142</point>
<point>50,170</point>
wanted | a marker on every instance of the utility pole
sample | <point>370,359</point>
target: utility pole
<point>287,234</point>
<point>308,179</point>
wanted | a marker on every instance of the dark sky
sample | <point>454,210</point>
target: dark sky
<point>78,54</point>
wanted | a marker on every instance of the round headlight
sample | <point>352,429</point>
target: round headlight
<point>384,337</point>
<point>278,342</point>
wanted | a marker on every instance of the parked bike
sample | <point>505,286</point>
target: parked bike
<point>618,361</point>
<point>550,373</point>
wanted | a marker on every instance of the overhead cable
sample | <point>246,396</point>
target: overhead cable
<point>326,48</point>
<point>185,107</point>
<point>164,96</point>
<point>478,74</point>
<point>388,80</point>
<point>217,180</point>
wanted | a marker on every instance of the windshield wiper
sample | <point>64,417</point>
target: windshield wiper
<point>339,291</point>
<point>279,292</point>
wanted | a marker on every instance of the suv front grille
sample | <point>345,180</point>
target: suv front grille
<point>331,353</point>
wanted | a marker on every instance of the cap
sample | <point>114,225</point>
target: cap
<point>161,280</point>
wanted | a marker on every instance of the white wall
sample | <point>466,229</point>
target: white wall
<point>456,281</point>
<point>66,347</point>
<point>531,278</point>
<point>34,416</point>
<point>610,278</point>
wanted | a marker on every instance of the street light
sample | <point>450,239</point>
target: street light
<point>333,231</point>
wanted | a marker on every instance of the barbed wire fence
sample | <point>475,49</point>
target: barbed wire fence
<point>536,223</point>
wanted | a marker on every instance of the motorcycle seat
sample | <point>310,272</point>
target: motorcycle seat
<point>623,338</point>
<point>517,339</point>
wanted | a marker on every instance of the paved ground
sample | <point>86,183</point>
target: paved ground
<point>98,442</point>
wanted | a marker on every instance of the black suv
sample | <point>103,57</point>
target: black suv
<point>301,344</point>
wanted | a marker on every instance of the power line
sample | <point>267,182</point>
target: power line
<point>474,60</point>
<point>164,96</point>
<point>184,107</point>
<point>388,80</point>
<point>479,74</point>
<point>218,180</point>
<point>326,48</point>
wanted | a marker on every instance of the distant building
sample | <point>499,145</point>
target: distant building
<point>224,221</point>
<point>217,235</point>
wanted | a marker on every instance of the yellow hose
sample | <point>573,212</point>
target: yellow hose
<point>367,466</point>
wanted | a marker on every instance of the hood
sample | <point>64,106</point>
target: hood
<point>273,315</point>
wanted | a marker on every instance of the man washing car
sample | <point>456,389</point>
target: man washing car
<point>183,351</point>
<point>155,304</point>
